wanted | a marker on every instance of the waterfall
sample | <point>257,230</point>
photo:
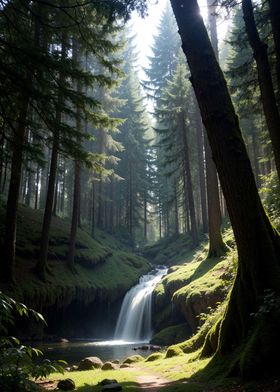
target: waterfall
<point>135,318</point>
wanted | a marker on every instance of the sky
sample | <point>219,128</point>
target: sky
<point>146,28</point>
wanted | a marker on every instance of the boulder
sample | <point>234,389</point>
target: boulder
<point>154,347</point>
<point>117,361</point>
<point>74,368</point>
<point>112,387</point>
<point>66,385</point>
<point>125,365</point>
<point>133,359</point>
<point>109,366</point>
<point>90,363</point>
<point>108,381</point>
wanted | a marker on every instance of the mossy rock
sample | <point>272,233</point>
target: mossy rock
<point>154,357</point>
<point>109,366</point>
<point>90,363</point>
<point>133,359</point>
<point>173,351</point>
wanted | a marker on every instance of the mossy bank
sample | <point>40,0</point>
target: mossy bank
<point>80,303</point>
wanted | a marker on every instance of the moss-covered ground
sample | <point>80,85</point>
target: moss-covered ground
<point>102,264</point>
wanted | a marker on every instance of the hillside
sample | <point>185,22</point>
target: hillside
<point>105,270</point>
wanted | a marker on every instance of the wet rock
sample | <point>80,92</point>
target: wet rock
<point>64,340</point>
<point>112,387</point>
<point>109,366</point>
<point>154,347</point>
<point>66,385</point>
<point>90,363</point>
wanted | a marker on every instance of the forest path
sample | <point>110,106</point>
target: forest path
<point>152,382</point>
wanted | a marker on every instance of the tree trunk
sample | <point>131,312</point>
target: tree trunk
<point>258,244</point>
<point>176,212</point>
<point>274,7</point>
<point>75,215</point>
<point>41,265</point>
<point>13,195</point>
<point>216,245</point>
<point>201,170</point>
<point>188,181</point>
<point>265,80</point>
<point>37,187</point>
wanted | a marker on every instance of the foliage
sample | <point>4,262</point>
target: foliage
<point>19,362</point>
<point>270,193</point>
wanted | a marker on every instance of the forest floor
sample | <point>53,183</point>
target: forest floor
<point>142,377</point>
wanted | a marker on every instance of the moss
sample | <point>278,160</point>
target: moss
<point>133,359</point>
<point>154,357</point>
<point>104,267</point>
<point>171,335</point>
<point>173,351</point>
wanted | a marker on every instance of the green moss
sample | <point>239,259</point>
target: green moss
<point>173,351</point>
<point>154,357</point>
<point>102,264</point>
<point>133,359</point>
<point>171,335</point>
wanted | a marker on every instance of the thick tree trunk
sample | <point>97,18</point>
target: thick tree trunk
<point>176,209</point>
<point>268,98</point>
<point>257,242</point>
<point>37,187</point>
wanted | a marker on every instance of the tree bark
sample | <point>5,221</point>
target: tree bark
<point>258,244</point>
<point>268,98</point>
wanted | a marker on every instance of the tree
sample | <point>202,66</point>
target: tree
<point>256,239</point>
<point>268,98</point>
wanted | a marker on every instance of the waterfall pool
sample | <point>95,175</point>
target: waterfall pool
<point>74,352</point>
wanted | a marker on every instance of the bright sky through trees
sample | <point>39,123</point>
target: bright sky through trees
<point>145,29</point>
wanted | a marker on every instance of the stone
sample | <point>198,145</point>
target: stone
<point>74,368</point>
<point>108,381</point>
<point>90,363</point>
<point>66,385</point>
<point>112,387</point>
<point>125,365</point>
<point>64,340</point>
<point>109,366</point>
<point>154,348</point>
<point>117,361</point>
<point>133,358</point>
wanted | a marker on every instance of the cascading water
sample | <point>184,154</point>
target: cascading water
<point>135,318</point>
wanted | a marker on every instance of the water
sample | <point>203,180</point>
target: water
<point>135,318</point>
<point>74,352</point>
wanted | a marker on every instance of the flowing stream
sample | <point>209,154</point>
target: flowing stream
<point>135,318</point>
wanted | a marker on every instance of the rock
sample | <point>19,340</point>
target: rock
<point>90,363</point>
<point>68,369</point>
<point>112,387</point>
<point>173,351</point>
<point>108,381</point>
<point>125,365</point>
<point>133,358</point>
<point>73,368</point>
<point>66,385</point>
<point>64,340</point>
<point>146,347</point>
<point>117,361</point>
<point>109,366</point>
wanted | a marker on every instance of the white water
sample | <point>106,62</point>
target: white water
<point>135,318</point>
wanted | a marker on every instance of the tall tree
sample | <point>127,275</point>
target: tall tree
<point>256,239</point>
<point>268,98</point>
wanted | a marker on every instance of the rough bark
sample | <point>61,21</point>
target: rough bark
<point>257,242</point>
<point>268,97</point>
